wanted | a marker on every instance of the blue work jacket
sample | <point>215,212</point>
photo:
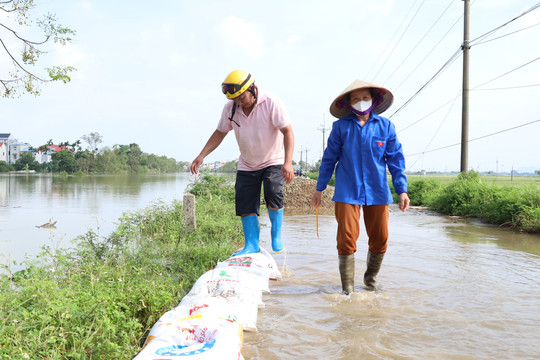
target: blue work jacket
<point>360,154</point>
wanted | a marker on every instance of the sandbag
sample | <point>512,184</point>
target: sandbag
<point>198,337</point>
<point>243,312</point>
<point>229,283</point>
<point>251,264</point>
<point>262,259</point>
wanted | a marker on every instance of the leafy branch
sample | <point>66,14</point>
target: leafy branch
<point>22,78</point>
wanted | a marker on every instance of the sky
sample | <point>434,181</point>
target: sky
<point>150,74</point>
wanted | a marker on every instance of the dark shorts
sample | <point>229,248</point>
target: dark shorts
<point>248,189</point>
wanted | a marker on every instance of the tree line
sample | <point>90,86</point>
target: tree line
<point>72,158</point>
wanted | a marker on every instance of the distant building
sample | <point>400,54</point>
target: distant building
<point>3,152</point>
<point>7,140</point>
<point>16,149</point>
<point>45,156</point>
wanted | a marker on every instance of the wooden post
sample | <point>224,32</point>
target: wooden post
<point>190,219</point>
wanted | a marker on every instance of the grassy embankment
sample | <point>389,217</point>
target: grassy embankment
<point>495,200</point>
<point>99,299</point>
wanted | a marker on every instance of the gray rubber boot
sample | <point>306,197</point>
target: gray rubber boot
<point>374,262</point>
<point>346,270</point>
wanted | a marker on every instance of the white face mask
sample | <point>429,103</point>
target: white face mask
<point>362,105</point>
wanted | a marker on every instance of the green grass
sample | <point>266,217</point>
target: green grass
<point>515,205</point>
<point>99,299</point>
<point>493,179</point>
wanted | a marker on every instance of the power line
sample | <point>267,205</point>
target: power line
<point>444,67</point>
<point>534,7</point>
<point>391,39</point>
<point>478,138</point>
<point>505,35</point>
<point>418,43</point>
<point>508,88</point>
<point>431,113</point>
<point>397,43</point>
<point>439,128</point>
<point>500,76</point>
<point>433,49</point>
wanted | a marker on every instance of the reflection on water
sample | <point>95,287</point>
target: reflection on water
<point>78,204</point>
<point>453,290</point>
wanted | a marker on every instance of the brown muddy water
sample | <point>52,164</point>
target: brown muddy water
<point>453,289</point>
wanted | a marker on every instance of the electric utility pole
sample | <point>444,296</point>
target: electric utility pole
<point>465,91</point>
<point>324,129</point>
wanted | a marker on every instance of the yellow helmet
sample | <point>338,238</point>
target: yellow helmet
<point>236,83</point>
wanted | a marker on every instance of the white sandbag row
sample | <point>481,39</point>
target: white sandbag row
<point>209,321</point>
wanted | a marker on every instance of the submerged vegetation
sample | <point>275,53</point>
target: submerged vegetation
<point>99,299</point>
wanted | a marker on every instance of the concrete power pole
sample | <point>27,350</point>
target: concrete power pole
<point>465,93</point>
<point>324,129</point>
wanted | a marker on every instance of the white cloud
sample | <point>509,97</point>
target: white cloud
<point>240,33</point>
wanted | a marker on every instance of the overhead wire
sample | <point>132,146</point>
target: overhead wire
<point>505,35</point>
<point>439,128</point>
<point>491,32</point>
<point>418,43</point>
<point>439,72</point>
<point>511,71</point>
<point>431,113</point>
<point>508,88</point>
<point>399,40</point>
<point>391,39</point>
<point>478,138</point>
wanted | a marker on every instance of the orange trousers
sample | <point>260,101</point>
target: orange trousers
<point>375,221</point>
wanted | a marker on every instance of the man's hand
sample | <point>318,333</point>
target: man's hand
<point>287,172</point>
<point>196,164</point>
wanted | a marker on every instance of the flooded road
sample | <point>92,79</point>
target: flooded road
<point>452,290</point>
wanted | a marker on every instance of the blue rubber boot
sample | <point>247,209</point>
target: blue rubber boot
<point>276,218</point>
<point>250,224</point>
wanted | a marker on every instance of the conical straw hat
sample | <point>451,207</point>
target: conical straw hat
<point>340,107</point>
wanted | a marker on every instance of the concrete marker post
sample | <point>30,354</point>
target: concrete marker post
<point>190,218</point>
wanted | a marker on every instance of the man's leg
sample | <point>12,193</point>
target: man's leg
<point>247,198</point>
<point>273,196</point>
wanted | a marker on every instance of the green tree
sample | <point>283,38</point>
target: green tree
<point>537,172</point>
<point>230,166</point>
<point>5,167</point>
<point>132,154</point>
<point>16,15</point>
<point>86,161</point>
<point>63,161</point>
<point>76,146</point>
<point>27,162</point>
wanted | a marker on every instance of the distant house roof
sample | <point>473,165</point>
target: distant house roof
<point>1,144</point>
<point>4,135</point>
<point>56,148</point>
<point>18,144</point>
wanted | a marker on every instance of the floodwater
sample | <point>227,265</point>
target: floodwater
<point>77,204</point>
<point>452,290</point>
